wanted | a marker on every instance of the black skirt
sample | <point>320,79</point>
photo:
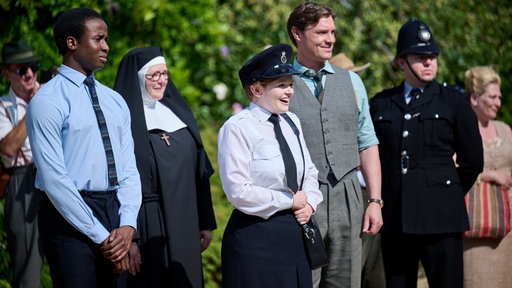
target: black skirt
<point>264,253</point>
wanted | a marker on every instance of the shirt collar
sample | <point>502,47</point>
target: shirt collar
<point>408,88</point>
<point>13,99</point>
<point>72,75</point>
<point>259,112</point>
<point>301,68</point>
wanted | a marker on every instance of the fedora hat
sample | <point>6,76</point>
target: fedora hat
<point>18,52</point>
<point>341,60</point>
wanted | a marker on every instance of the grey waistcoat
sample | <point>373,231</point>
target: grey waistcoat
<point>330,128</point>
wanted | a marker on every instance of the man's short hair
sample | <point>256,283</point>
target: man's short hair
<point>71,24</point>
<point>307,13</point>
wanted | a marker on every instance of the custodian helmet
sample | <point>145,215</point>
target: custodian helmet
<point>415,38</point>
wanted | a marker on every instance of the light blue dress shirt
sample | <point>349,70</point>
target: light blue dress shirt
<point>366,136</point>
<point>69,154</point>
<point>252,168</point>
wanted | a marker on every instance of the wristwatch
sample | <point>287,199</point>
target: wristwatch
<point>378,201</point>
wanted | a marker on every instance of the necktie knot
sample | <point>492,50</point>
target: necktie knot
<point>414,95</point>
<point>317,78</point>
<point>274,119</point>
<point>89,82</point>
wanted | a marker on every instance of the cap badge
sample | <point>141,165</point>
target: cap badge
<point>423,34</point>
<point>283,57</point>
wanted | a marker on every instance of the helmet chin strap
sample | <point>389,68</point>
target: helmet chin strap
<point>412,71</point>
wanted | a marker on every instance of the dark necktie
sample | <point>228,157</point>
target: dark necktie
<point>111,164</point>
<point>414,95</point>
<point>289,163</point>
<point>317,78</point>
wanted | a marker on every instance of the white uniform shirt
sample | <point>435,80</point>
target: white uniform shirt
<point>252,168</point>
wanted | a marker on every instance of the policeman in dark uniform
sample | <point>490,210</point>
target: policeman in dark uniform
<point>421,125</point>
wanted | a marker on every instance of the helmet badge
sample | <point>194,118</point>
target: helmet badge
<point>423,34</point>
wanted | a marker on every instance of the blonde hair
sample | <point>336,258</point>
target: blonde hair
<point>479,77</point>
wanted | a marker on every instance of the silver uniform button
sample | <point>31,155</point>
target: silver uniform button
<point>448,182</point>
<point>407,116</point>
<point>405,133</point>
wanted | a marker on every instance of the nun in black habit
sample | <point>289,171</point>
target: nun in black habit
<point>176,217</point>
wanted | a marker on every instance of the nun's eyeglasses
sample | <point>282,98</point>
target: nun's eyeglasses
<point>156,76</point>
<point>22,71</point>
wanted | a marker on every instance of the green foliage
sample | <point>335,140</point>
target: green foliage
<point>222,208</point>
<point>469,33</point>
<point>206,42</point>
<point>5,272</point>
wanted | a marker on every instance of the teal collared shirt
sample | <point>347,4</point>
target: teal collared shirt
<point>366,134</point>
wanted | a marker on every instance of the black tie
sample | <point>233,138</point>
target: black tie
<point>289,163</point>
<point>111,164</point>
<point>414,95</point>
<point>317,78</point>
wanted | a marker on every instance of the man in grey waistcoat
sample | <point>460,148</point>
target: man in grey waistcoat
<point>340,137</point>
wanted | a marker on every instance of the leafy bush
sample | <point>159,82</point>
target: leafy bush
<point>206,42</point>
<point>5,271</point>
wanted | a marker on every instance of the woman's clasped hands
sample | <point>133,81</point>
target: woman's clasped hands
<point>300,207</point>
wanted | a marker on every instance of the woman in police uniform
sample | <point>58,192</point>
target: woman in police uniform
<point>262,244</point>
<point>421,124</point>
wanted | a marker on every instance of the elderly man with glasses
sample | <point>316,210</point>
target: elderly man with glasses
<point>19,67</point>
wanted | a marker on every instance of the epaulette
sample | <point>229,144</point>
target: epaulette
<point>455,88</point>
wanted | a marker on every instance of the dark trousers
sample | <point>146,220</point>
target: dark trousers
<point>440,254</point>
<point>21,226</point>
<point>74,259</point>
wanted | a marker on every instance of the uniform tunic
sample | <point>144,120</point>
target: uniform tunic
<point>422,138</point>
<point>422,186</point>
